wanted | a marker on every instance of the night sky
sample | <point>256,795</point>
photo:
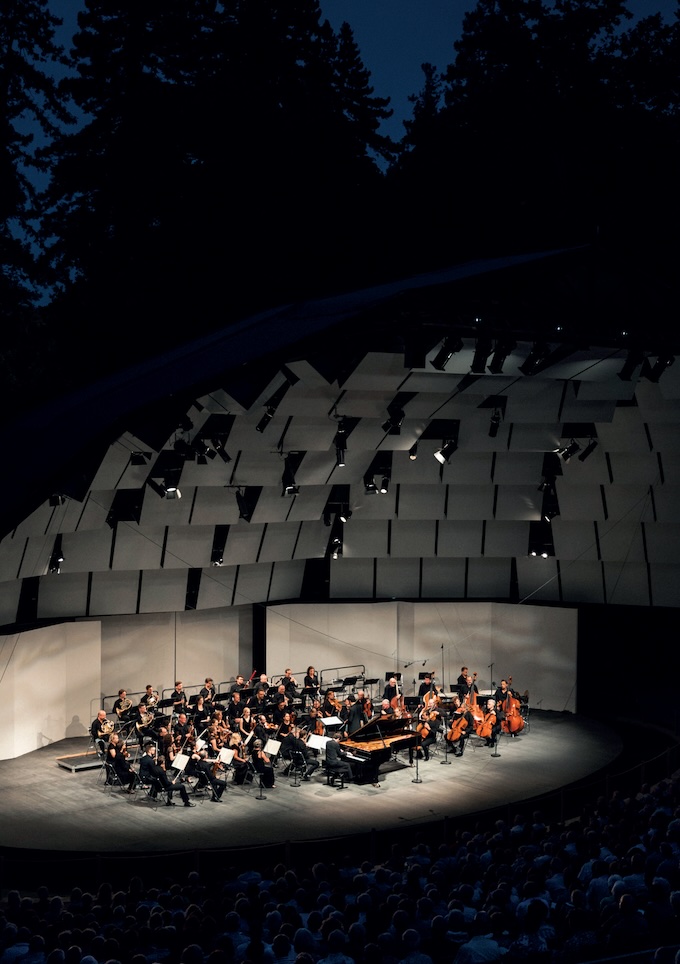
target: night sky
<point>395,38</point>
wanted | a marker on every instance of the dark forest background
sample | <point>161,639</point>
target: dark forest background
<point>200,161</point>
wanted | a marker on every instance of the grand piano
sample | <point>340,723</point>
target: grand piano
<point>376,741</point>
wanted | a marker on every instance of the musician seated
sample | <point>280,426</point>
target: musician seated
<point>490,726</point>
<point>330,706</point>
<point>263,765</point>
<point>235,708</point>
<point>122,706</point>
<point>118,756</point>
<point>462,725</point>
<point>205,769</point>
<point>280,711</point>
<point>152,774</point>
<point>292,742</point>
<point>386,709</point>
<point>238,685</point>
<point>100,730</point>
<point>470,690</point>
<point>428,728</point>
<point>258,703</point>
<point>337,763</point>
<point>427,686</point>
<point>182,727</point>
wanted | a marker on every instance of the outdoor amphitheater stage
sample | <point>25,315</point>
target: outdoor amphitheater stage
<point>48,808</point>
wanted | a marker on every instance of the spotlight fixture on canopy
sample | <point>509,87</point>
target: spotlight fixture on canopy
<point>345,514</point>
<point>654,372</point>
<point>385,485</point>
<point>443,454</point>
<point>566,453</point>
<point>340,443</point>
<point>369,483</point>
<point>450,345</point>
<point>269,414</point>
<point>483,348</point>
<point>288,483</point>
<point>57,556</point>
<point>634,359</point>
<point>550,506</point>
<point>413,452</point>
<point>393,424</point>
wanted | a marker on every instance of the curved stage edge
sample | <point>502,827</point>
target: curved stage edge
<point>46,808</point>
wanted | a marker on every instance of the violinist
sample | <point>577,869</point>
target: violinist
<point>462,679</point>
<point>263,765</point>
<point>118,756</point>
<point>285,726</point>
<point>247,723</point>
<point>202,765</point>
<point>240,758</point>
<point>330,706</point>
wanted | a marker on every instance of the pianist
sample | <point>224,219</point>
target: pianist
<point>336,758</point>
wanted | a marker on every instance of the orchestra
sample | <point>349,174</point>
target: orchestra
<point>198,727</point>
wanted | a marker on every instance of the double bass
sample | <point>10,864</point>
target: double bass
<point>513,722</point>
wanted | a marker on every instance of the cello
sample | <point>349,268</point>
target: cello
<point>513,722</point>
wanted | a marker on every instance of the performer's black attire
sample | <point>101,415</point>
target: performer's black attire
<point>179,701</point>
<point>336,761</point>
<point>390,692</point>
<point>206,768</point>
<point>123,770</point>
<point>151,772</point>
<point>356,718</point>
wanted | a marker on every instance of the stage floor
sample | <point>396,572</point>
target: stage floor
<point>45,807</point>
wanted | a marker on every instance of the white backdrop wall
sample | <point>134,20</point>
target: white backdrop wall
<point>534,645</point>
<point>159,648</point>
<point>47,678</point>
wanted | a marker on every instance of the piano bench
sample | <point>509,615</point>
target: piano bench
<point>332,777</point>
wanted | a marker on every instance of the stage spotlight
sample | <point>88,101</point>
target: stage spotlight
<point>139,458</point>
<point>57,499</point>
<point>393,424</point>
<point>450,346</point>
<point>336,548</point>
<point>203,450</point>
<point>413,452</point>
<point>172,491</point>
<point>345,514</point>
<point>57,556</point>
<point>288,479</point>
<point>482,352</point>
<point>269,413</point>
<point>385,485</point>
<point>244,510</point>
<point>550,507</point>
<point>340,455</point>
<point>369,484</point>
<point>494,424</point>
<point>566,453</point>
<point>654,372</point>
<point>340,443</point>
<point>588,450</point>
<point>443,454</point>
<point>538,354</point>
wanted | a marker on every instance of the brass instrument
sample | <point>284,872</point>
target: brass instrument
<point>106,727</point>
<point>124,707</point>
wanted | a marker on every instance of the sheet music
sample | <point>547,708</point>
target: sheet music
<point>225,755</point>
<point>272,746</point>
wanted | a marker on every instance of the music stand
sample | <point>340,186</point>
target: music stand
<point>389,676</point>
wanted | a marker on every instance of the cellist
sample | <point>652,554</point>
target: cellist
<point>489,726</point>
<point>462,724</point>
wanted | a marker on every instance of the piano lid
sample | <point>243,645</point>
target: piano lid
<point>381,726</point>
